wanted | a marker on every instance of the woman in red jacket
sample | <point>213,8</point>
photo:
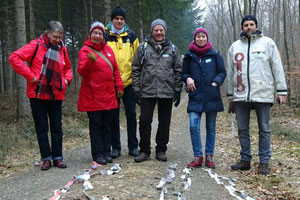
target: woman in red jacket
<point>97,96</point>
<point>48,75</point>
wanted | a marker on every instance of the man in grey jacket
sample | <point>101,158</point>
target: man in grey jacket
<point>156,75</point>
<point>255,76</point>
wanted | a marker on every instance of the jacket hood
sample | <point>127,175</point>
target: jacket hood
<point>257,34</point>
<point>109,25</point>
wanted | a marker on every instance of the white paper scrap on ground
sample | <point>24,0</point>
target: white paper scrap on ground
<point>230,187</point>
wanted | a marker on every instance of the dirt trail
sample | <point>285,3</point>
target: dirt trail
<point>135,181</point>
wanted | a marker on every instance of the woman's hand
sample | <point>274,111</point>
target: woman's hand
<point>190,84</point>
<point>33,80</point>
<point>92,56</point>
<point>214,84</point>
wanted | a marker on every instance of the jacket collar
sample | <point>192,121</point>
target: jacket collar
<point>257,34</point>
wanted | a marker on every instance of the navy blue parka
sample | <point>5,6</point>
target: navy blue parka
<point>204,71</point>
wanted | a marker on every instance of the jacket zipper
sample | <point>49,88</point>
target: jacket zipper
<point>248,66</point>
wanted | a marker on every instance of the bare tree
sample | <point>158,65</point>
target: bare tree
<point>31,20</point>
<point>107,10</point>
<point>23,103</point>
<point>141,21</point>
<point>90,11</point>
<point>59,11</point>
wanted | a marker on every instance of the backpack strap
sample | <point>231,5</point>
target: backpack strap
<point>143,52</point>
<point>36,49</point>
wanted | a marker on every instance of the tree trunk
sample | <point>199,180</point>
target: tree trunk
<point>31,20</point>
<point>23,103</point>
<point>255,7</point>
<point>84,28</point>
<point>90,11</point>
<point>59,11</point>
<point>141,21</point>
<point>285,35</point>
<point>250,7</point>
<point>107,10</point>
<point>7,70</point>
<point>231,6</point>
<point>245,7</point>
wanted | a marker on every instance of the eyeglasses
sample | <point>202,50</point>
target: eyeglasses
<point>56,37</point>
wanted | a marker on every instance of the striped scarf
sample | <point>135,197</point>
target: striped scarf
<point>50,82</point>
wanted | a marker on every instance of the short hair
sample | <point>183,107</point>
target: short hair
<point>54,26</point>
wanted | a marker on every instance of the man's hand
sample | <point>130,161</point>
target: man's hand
<point>281,99</point>
<point>176,98</point>
<point>137,97</point>
<point>231,108</point>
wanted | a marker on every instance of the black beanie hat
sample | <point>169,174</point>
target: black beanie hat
<point>249,17</point>
<point>118,11</point>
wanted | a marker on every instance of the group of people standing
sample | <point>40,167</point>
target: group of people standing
<point>114,67</point>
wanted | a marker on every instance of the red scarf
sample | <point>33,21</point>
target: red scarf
<point>200,51</point>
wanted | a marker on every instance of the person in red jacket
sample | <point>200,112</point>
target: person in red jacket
<point>48,75</point>
<point>100,80</point>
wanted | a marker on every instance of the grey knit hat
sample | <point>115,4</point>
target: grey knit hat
<point>97,24</point>
<point>159,22</point>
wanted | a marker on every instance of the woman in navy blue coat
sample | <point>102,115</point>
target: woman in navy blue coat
<point>203,72</point>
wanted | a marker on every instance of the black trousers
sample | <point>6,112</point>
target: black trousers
<point>42,110</point>
<point>100,128</point>
<point>164,119</point>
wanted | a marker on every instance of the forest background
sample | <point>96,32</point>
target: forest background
<point>24,20</point>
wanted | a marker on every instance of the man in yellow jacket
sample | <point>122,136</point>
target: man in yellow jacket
<point>124,43</point>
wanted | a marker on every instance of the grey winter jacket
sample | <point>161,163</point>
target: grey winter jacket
<point>157,74</point>
<point>254,70</point>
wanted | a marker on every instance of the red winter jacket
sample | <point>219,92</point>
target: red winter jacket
<point>99,83</point>
<point>17,58</point>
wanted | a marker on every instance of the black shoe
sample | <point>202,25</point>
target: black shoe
<point>108,158</point>
<point>161,156</point>
<point>115,153</point>
<point>142,157</point>
<point>241,165</point>
<point>101,160</point>
<point>134,153</point>
<point>264,168</point>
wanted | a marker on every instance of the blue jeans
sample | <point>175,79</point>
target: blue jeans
<point>242,110</point>
<point>195,121</point>
<point>129,105</point>
<point>42,112</point>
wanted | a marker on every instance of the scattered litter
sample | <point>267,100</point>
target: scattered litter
<point>83,177</point>
<point>36,163</point>
<point>231,187</point>
<point>87,196</point>
<point>169,176</point>
<point>173,166</point>
<point>163,192</point>
<point>95,165</point>
<point>179,196</point>
<point>56,195</point>
<point>187,183</point>
<point>87,186</point>
<point>113,170</point>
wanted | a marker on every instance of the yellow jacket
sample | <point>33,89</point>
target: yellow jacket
<point>124,47</point>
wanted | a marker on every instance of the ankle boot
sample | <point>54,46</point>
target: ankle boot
<point>209,161</point>
<point>197,162</point>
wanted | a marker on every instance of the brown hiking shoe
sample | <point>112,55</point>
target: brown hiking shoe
<point>264,168</point>
<point>241,165</point>
<point>142,157</point>
<point>161,156</point>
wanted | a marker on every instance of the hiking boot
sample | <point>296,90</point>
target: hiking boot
<point>241,165</point>
<point>46,165</point>
<point>108,158</point>
<point>134,153</point>
<point>142,157</point>
<point>197,162</point>
<point>59,164</point>
<point>101,160</point>
<point>209,161</point>
<point>161,156</point>
<point>264,168</point>
<point>115,153</point>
